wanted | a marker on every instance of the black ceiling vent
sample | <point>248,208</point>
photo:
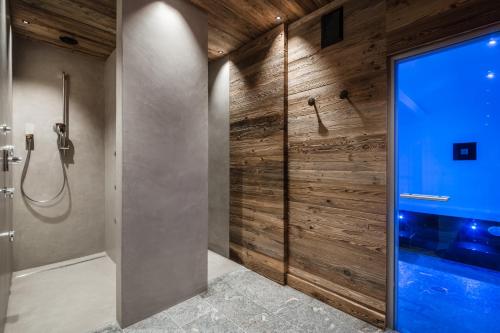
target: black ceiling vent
<point>68,40</point>
<point>332,27</point>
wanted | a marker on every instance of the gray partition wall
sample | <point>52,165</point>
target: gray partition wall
<point>218,163</point>
<point>6,178</point>
<point>163,142</point>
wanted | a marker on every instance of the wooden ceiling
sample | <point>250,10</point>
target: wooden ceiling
<point>233,23</point>
<point>91,22</point>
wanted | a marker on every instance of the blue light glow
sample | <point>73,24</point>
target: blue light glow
<point>443,97</point>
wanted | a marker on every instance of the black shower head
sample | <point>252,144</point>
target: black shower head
<point>68,40</point>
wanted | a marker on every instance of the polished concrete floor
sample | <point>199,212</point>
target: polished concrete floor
<point>219,265</point>
<point>71,296</point>
<point>74,296</point>
<point>243,301</point>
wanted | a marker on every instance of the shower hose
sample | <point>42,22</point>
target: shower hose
<point>25,171</point>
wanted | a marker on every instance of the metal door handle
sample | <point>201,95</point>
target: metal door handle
<point>424,197</point>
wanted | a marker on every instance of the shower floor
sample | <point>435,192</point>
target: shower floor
<point>438,295</point>
<point>70,296</point>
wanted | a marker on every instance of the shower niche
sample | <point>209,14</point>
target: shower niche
<point>63,129</point>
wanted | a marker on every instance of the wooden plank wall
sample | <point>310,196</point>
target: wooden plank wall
<point>257,142</point>
<point>337,178</point>
<point>337,162</point>
<point>414,23</point>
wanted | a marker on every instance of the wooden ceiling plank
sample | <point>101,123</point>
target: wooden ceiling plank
<point>225,19</point>
<point>51,35</point>
<point>64,24</point>
<point>233,23</point>
<point>72,9</point>
<point>106,7</point>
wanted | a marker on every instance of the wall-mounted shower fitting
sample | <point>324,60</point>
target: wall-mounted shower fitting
<point>62,128</point>
<point>5,129</point>
<point>29,133</point>
<point>30,142</point>
<point>62,142</point>
<point>8,157</point>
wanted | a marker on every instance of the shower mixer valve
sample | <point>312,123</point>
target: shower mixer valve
<point>30,142</point>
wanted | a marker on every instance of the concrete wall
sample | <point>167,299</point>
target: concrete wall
<point>73,226</point>
<point>218,154</point>
<point>5,180</point>
<point>163,259</point>
<point>111,227</point>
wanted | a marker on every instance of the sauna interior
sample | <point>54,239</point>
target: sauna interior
<point>249,166</point>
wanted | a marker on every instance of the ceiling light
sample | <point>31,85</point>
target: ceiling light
<point>278,18</point>
<point>492,42</point>
<point>490,75</point>
<point>26,22</point>
<point>221,52</point>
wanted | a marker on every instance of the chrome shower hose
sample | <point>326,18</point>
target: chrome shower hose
<point>25,171</point>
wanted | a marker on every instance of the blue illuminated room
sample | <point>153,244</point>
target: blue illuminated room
<point>448,209</point>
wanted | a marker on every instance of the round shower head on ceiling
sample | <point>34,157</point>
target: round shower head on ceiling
<point>68,40</point>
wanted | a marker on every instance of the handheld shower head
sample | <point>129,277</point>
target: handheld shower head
<point>60,128</point>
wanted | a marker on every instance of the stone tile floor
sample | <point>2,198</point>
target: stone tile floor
<point>243,301</point>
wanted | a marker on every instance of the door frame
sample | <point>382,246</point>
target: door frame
<point>392,222</point>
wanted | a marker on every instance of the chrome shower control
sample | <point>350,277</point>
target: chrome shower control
<point>8,157</point>
<point>9,234</point>
<point>8,192</point>
<point>5,129</point>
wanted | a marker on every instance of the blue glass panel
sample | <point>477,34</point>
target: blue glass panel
<point>448,150</point>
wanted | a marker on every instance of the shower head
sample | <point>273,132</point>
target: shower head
<point>68,40</point>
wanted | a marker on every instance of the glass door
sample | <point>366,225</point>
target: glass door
<point>447,188</point>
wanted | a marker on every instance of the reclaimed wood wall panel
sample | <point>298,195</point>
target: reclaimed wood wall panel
<point>257,154</point>
<point>337,158</point>
<point>337,161</point>
<point>415,23</point>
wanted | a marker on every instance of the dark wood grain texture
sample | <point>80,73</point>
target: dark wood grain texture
<point>257,106</point>
<point>337,159</point>
<point>91,22</point>
<point>337,163</point>
<point>233,23</point>
<point>412,23</point>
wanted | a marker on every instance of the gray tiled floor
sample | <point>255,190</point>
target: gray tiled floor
<point>243,301</point>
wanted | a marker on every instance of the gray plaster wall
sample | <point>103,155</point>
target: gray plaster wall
<point>218,162</point>
<point>164,119</point>
<point>73,226</point>
<point>111,226</point>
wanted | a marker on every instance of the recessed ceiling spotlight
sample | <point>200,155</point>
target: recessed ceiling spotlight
<point>221,52</point>
<point>278,18</point>
<point>26,22</point>
<point>492,42</point>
